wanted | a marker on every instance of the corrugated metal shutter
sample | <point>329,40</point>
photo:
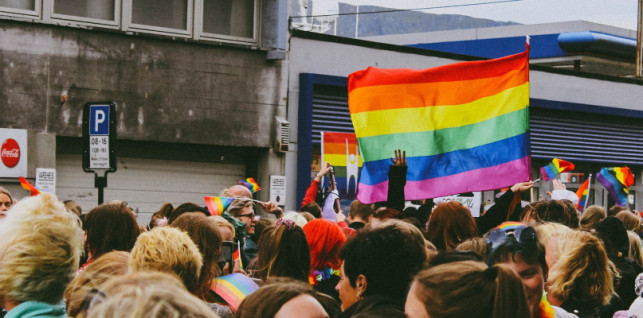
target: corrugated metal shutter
<point>604,139</point>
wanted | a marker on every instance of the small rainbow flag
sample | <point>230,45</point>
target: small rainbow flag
<point>234,288</point>
<point>27,186</point>
<point>340,150</point>
<point>237,255</point>
<point>582,193</point>
<point>555,167</point>
<point>464,126</point>
<point>616,180</point>
<point>251,184</point>
<point>216,205</point>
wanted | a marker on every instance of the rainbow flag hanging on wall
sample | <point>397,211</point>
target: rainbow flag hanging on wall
<point>616,180</point>
<point>556,167</point>
<point>216,205</point>
<point>582,194</point>
<point>464,126</point>
<point>341,151</point>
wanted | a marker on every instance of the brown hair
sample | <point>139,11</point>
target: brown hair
<point>450,224</point>
<point>110,227</point>
<point>109,265</point>
<point>312,208</point>
<point>360,210</point>
<point>204,232</point>
<point>267,300</point>
<point>592,215</point>
<point>283,251</point>
<point>635,248</point>
<point>557,211</point>
<point>476,244</point>
<point>163,212</point>
<point>630,220</point>
<point>471,289</point>
<point>186,208</point>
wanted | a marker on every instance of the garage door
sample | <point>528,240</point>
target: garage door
<point>145,184</point>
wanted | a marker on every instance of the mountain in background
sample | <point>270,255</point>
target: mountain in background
<point>384,23</point>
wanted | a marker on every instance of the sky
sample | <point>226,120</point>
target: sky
<point>619,13</point>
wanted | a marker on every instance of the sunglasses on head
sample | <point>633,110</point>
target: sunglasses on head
<point>512,234</point>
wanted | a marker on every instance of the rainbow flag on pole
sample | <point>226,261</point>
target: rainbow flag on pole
<point>341,151</point>
<point>556,167</point>
<point>582,194</point>
<point>251,184</point>
<point>464,126</point>
<point>233,288</point>
<point>216,205</point>
<point>28,186</point>
<point>616,180</point>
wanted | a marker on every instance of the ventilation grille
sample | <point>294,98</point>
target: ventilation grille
<point>282,141</point>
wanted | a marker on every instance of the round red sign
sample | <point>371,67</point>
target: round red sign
<point>10,153</point>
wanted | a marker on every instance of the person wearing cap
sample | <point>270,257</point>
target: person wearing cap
<point>516,245</point>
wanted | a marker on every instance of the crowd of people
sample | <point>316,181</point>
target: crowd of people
<point>377,260</point>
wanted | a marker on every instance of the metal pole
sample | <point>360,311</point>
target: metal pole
<point>357,21</point>
<point>639,32</point>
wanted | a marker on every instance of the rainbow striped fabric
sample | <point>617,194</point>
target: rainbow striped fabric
<point>340,150</point>
<point>464,126</point>
<point>616,180</point>
<point>556,167</point>
<point>251,184</point>
<point>234,288</point>
<point>216,205</point>
<point>28,186</point>
<point>582,196</point>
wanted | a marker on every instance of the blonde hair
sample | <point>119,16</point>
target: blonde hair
<point>471,289</point>
<point>635,247</point>
<point>148,295</point>
<point>39,251</point>
<point>631,221</point>
<point>476,244</point>
<point>548,230</point>
<point>582,272</point>
<point>169,250</point>
<point>93,276</point>
<point>593,215</point>
<point>220,221</point>
<point>299,219</point>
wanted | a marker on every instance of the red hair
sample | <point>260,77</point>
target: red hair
<point>325,239</point>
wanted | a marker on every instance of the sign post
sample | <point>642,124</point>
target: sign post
<point>99,142</point>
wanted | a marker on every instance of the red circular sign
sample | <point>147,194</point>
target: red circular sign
<point>10,153</point>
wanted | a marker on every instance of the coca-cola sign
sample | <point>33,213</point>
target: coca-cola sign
<point>10,152</point>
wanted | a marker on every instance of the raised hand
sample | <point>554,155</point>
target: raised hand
<point>400,158</point>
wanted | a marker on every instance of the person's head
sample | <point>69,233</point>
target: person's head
<point>168,250</point>
<point>309,217</point>
<point>325,240</point>
<point>283,252</point>
<point>476,244</point>
<point>516,245</point>
<point>244,210</point>
<point>205,233</point>
<point>295,217</point>
<point>550,211</point>
<point>312,208</point>
<point>360,212</point>
<point>226,229</point>
<point>635,247</point>
<point>107,266</point>
<point>281,299</point>
<point>381,261</point>
<point>450,224</point>
<point>6,201</point>
<point>73,207</point>
<point>385,213</point>
<point>615,209</point>
<point>186,208</point>
<point>466,289</point>
<point>39,251</point>
<point>592,215</point>
<point>110,227</point>
<point>614,236</point>
<point>159,218</point>
<point>581,274</point>
<point>445,257</point>
<point>147,295</point>
<point>237,191</point>
<point>630,220</point>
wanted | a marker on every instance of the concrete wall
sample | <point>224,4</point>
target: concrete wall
<point>166,90</point>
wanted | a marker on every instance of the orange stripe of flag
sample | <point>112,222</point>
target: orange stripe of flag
<point>338,149</point>
<point>401,95</point>
<point>455,72</point>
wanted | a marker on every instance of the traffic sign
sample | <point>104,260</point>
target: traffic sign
<point>99,136</point>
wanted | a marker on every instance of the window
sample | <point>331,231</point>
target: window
<point>29,8</point>
<point>227,20</point>
<point>85,12</point>
<point>161,16</point>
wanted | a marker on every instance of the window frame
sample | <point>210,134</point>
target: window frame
<point>129,26</point>
<point>201,35</point>
<point>50,16</point>
<point>20,13</point>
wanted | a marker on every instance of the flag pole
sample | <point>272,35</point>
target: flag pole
<point>589,185</point>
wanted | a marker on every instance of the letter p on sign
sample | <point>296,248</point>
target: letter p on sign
<point>99,120</point>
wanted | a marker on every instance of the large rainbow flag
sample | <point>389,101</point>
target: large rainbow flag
<point>616,180</point>
<point>341,151</point>
<point>464,126</point>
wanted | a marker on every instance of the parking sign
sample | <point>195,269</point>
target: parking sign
<point>99,134</point>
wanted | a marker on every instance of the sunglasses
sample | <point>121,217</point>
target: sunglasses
<point>511,235</point>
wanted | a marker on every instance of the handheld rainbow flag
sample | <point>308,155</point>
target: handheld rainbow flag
<point>556,167</point>
<point>234,288</point>
<point>216,205</point>
<point>464,126</point>
<point>28,186</point>
<point>237,255</point>
<point>616,180</point>
<point>582,194</point>
<point>340,150</point>
<point>251,184</point>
